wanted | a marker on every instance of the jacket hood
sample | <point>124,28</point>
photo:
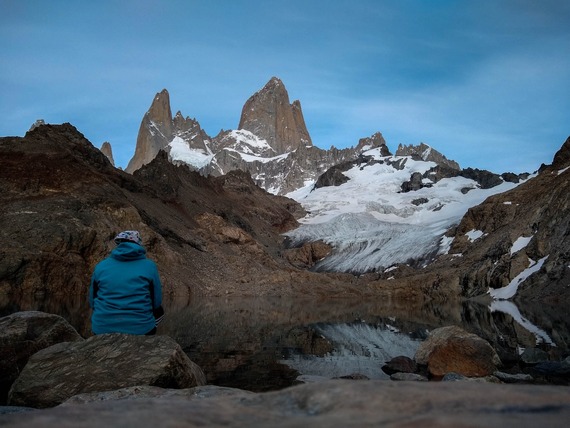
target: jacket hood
<point>127,251</point>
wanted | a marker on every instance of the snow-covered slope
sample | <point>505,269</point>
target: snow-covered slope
<point>372,225</point>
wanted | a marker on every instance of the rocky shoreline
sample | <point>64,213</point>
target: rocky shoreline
<point>122,376</point>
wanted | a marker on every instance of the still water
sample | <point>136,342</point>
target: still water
<point>263,344</point>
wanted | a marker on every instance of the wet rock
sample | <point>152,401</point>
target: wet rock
<point>409,377</point>
<point>22,334</point>
<point>533,356</point>
<point>103,363</point>
<point>452,349</point>
<point>400,364</point>
<point>338,403</point>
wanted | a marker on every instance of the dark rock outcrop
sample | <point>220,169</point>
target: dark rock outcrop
<point>103,363</point>
<point>538,209</point>
<point>22,334</point>
<point>426,153</point>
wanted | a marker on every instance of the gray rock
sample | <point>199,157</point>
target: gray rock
<point>22,334</point>
<point>408,376</point>
<point>533,356</point>
<point>338,403</point>
<point>103,363</point>
<point>513,378</point>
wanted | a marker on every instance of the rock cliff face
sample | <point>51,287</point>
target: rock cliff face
<point>518,230</point>
<point>269,115</point>
<point>160,131</point>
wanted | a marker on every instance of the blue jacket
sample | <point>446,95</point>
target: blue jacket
<point>124,290</point>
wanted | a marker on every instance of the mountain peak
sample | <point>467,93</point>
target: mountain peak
<point>269,115</point>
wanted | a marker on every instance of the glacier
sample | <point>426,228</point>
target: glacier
<point>372,225</point>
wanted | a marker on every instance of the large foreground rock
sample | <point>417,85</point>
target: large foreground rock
<point>103,363</point>
<point>22,334</point>
<point>452,349</point>
<point>339,403</point>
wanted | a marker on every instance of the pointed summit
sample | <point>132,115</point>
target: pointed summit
<point>269,115</point>
<point>154,132</point>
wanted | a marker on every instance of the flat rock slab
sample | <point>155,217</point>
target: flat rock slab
<point>339,403</point>
<point>103,363</point>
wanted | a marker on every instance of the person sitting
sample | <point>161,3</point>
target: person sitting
<point>125,291</point>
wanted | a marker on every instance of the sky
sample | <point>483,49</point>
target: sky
<point>485,82</point>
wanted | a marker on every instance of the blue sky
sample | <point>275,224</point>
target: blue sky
<point>486,82</point>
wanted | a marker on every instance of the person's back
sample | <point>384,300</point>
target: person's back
<point>125,289</point>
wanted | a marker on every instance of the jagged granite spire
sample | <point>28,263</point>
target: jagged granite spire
<point>154,133</point>
<point>107,150</point>
<point>269,115</point>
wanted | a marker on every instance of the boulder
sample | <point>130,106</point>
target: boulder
<point>452,349</point>
<point>22,334</point>
<point>103,363</point>
<point>533,356</point>
<point>400,364</point>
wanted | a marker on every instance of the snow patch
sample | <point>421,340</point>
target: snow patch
<point>562,171</point>
<point>445,244</point>
<point>510,290</point>
<point>511,309</point>
<point>520,243</point>
<point>181,151</point>
<point>473,235</point>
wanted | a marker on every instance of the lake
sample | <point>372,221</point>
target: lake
<point>263,344</point>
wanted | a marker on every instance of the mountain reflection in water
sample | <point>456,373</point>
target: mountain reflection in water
<point>263,344</point>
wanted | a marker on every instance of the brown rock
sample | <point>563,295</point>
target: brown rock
<point>103,363</point>
<point>107,150</point>
<point>269,115</point>
<point>155,131</point>
<point>452,349</point>
<point>307,255</point>
<point>22,334</point>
